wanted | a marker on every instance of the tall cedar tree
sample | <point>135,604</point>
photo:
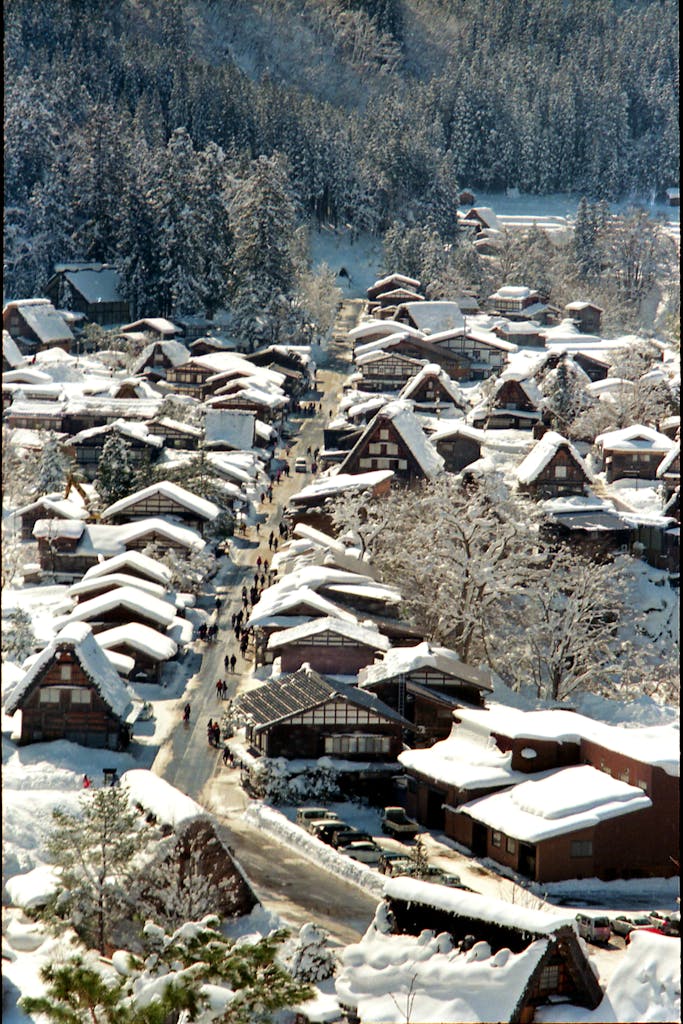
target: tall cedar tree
<point>115,472</point>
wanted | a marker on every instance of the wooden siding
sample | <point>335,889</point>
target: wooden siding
<point>90,723</point>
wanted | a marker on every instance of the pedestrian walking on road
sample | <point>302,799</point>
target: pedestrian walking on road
<point>219,688</point>
<point>226,755</point>
<point>271,538</point>
<point>209,731</point>
<point>258,529</point>
<point>233,662</point>
<point>216,733</point>
<point>224,691</point>
<point>240,616</point>
<point>275,544</point>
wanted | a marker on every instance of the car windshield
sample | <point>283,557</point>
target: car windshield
<point>601,922</point>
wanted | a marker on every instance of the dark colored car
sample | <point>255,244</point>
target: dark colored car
<point>326,831</point>
<point>350,835</point>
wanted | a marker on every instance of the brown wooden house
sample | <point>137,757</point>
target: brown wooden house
<point>381,371</point>
<point>328,645</point>
<point>48,507</point>
<point>552,794</point>
<point>515,404</point>
<point>634,452</point>
<point>35,325</point>
<point>86,446</point>
<point>94,289</point>
<point>458,445</point>
<point>159,357</point>
<point>432,390</point>
<point>72,692</point>
<point>586,316</point>
<point>553,468</point>
<point>302,715</point>
<point>149,648</point>
<point>391,283</point>
<point>394,440</point>
<point>164,499</point>
<point>123,604</point>
<point>425,684</point>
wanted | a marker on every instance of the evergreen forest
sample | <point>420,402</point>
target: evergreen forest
<point>150,133</point>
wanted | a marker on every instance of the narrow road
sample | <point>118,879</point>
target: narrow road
<point>293,887</point>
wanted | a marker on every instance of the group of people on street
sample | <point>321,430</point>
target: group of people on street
<point>221,688</point>
<point>213,732</point>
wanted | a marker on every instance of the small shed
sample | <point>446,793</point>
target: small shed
<point>72,692</point>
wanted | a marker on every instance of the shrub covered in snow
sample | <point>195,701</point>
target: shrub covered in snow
<point>279,782</point>
<point>308,957</point>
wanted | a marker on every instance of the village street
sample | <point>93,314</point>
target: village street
<point>293,887</point>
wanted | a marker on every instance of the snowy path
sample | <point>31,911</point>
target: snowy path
<point>296,889</point>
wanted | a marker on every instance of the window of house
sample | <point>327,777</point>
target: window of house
<point>384,435</point>
<point>605,768</point>
<point>65,671</point>
<point>642,784</point>
<point>511,845</point>
<point>79,695</point>
<point>560,472</point>
<point>582,848</point>
<point>50,695</point>
<point>496,838</point>
<point>550,978</point>
<point>357,744</point>
<point>625,775</point>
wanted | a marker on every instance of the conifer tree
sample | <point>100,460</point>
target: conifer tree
<point>52,467</point>
<point>94,852</point>
<point>18,638</point>
<point>115,472</point>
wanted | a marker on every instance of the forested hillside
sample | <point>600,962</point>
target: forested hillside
<point>131,125</point>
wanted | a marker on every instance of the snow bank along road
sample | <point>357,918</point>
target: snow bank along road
<point>296,889</point>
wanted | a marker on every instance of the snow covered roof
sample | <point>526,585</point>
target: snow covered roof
<point>10,350</point>
<point>384,327</point>
<point>668,460</point>
<point>578,304</point>
<point>396,279</point>
<point>58,528</point>
<point>182,535</point>
<point>566,800</point>
<point>351,630</point>
<point>480,335</point>
<point>137,431</point>
<point>404,660</point>
<point>633,439</point>
<point>513,291</point>
<point>467,759</point>
<point>430,317</point>
<point>172,492</point>
<point>54,505</point>
<point>116,579</point>
<point>400,414</point>
<point>433,370</point>
<point>541,454</point>
<point>326,487</point>
<point>318,537</point>
<point>141,638</point>
<point>456,428</point>
<point>174,351</point>
<point>472,905</point>
<point>164,801</point>
<point>25,375</point>
<point>149,567</point>
<point>168,423</point>
<point>154,323</point>
<point>487,215</point>
<point>76,636</point>
<point>299,691</point>
<point>654,745</point>
<point>527,384</point>
<point>229,426</point>
<point>96,282</point>
<point>276,601</point>
<point>423,973</point>
<point>139,602</point>
<point>44,320</point>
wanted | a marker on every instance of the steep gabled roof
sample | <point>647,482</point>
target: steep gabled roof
<point>401,416</point>
<point>138,602</point>
<point>433,370</point>
<point>141,638</point>
<point>43,319</point>
<point>77,637</point>
<point>635,438</point>
<point>541,454</point>
<point>299,691</point>
<point>172,492</point>
<point>668,460</point>
<point>404,660</point>
<point>149,567</point>
<point>361,634</point>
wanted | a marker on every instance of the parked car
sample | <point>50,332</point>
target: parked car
<point>658,918</point>
<point>305,815</point>
<point>349,835</point>
<point>622,924</point>
<point>396,823</point>
<point>325,831</point>
<point>393,861</point>
<point>300,466</point>
<point>364,851</point>
<point>594,929</point>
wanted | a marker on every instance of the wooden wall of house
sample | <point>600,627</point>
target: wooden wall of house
<point>335,659</point>
<point>308,741</point>
<point>91,725</point>
<point>547,484</point>
<point>641,465</point>
<point>458,453</point>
